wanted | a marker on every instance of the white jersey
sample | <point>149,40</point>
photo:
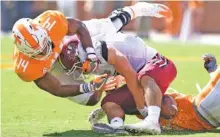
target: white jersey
<point>133,47</point>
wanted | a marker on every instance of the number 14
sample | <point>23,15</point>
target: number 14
<point>22,63</point>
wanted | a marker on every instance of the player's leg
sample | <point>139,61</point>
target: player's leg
<point>155,78</point>
<point>121,17</point>
<point>117,104</point>
<point>115,114</point>
<point>113,105</point>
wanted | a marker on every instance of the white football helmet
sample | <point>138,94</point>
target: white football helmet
<point>31,39</point>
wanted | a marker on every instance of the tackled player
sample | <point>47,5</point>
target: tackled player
<point>131,57</point>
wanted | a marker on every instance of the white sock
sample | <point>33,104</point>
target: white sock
<point>153,113</point>
<point>116,122</point>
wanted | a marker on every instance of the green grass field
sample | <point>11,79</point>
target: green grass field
<point>29,112</point>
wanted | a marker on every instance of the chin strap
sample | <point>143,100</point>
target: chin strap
<point>61,64</point>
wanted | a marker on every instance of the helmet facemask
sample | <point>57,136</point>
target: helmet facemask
<point>45,51</point>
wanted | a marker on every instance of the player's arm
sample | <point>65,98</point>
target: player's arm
<point>52,85</point>
<point>122,65</point>
<point>76,26</point>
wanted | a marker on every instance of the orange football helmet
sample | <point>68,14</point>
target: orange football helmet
<point>31,39</point>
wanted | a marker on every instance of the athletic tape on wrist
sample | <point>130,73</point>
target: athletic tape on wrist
<point>90,50</point>
<point>85,88</point>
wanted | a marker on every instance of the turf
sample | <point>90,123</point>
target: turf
<point>29,112</point>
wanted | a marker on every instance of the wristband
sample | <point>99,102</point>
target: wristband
<point>85,88</point>
<point>90,50</point>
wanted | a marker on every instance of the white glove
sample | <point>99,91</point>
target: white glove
<point>152,10</point>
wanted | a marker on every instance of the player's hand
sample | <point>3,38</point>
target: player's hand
<point>143,111</point>
<point>102,82</point>
<point>210,63</point>
<point>91,55</point>
<point>98,84</point>
<point>120,80</point>
<point>114,83</point>
<point>92,62</point>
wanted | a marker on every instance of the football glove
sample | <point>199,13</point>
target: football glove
<point>210,63</point>
<point>98,84</point>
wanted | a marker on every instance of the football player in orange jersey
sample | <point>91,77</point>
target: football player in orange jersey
<point>38,43</point>
<point>201,112</point>
<point>179,111</point>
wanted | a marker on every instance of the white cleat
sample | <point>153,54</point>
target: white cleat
<point>107,129</point>
<point>96,115</point>
<point>152,10</point>
<point>145,126</point>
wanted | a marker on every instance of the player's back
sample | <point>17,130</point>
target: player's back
<point>55,23</point>
<point>133,47</point>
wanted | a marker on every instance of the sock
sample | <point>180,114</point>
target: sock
<point>153,114</point>
<point>116,122</point>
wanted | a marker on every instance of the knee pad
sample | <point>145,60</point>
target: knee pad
<point>124,16</point>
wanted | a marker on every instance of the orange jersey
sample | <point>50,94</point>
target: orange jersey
<point>186,117</point>
<point>29,69</point>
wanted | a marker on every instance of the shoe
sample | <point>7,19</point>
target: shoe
<point>152,10</point>
<point>145,126</point>
<point>96,115</point>
<point>107,129</point>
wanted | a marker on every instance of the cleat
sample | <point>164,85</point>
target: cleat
<point>121,132</point>
<point>152,10</point>
<point>145,126</point>
<point>102,128</point>
<point>96,115</point>
<point>107,129</point>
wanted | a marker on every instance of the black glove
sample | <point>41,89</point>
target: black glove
<point>210,63</point>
